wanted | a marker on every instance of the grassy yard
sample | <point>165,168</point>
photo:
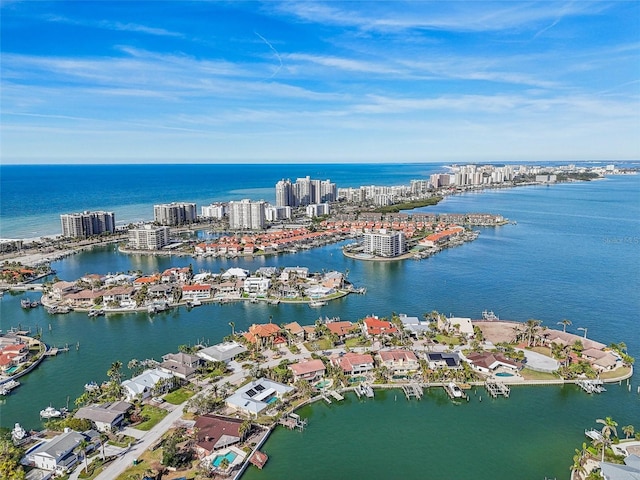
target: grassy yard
<point>317,345</point>
<point>153,415</point>
<point>150,461</point>
<point>356,342</point>
<point>618,372</point>
<point>178,396</point>
<point>447,340</point>
<point>529,374</point>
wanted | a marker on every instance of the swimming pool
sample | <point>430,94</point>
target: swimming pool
<point>323,383</point>
<point>230,456</point>
<point>12,369</point>
<point>272,399</point>
<point>504,374</point>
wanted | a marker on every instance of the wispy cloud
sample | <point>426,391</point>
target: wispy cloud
<point>112,25</point>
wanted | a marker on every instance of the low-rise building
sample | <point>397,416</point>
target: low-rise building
<point>57,455</point>
<point>254,397</point>
<point>309,370</point>
<point>353,363</point>
<point>215,432</point>
<point>373,326</point>
<point>222,352</point>
<point>148,383</point>
<point>104,417</point>
<point>193,292</point>
<point>399,362</point>
<point>181,365</point>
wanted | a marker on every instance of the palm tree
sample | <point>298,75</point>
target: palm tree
<point>244,429</point>
<point>609,426</point>
<point>233,326</point>
<point>531,331</point>
<point>82,448</point>
<point>628,430</point>
<point>564,324</point>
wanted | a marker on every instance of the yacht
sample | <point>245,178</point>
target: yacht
<point>317,303</point>
<point>50,412</point>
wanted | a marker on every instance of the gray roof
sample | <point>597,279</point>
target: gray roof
<point>102,414</point>
<point>629,471</point>
<point>60,445</point>
<point>222,352</point>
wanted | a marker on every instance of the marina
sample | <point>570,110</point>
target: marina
<point>454,391</point>
<point>413,390</point>
<point>591,386</point>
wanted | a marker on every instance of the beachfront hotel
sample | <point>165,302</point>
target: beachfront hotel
<point>87,224</point>
<point>384,243</point>
<point>148,237</point>
<point>174,214</point>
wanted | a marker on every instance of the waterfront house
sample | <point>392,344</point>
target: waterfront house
<point>146,280</point>
<point>214,432</point>
<point>614,471</point>
<point>399,362</point>
<point>413,325</point>
<point>222,352</point>
<point>334,280</point>
<point>291,273</point>
<point>57,455</point>
<point>309,332</point>
<point>237,273</point>
<point>487,362</point>
<point>353,363</point>
<point>461,325</point>
<point>83,299</point>
<point>267,272</point>
<point>256,285</point>
<point>193,292</point>
<point>295,331</point>
<point>105,417</point>
<point>254,397</point>
<point>309,370</point>
<point>601,360</point>
<point>13,355</point>
<point>318,291</point>
<point>160,292</point>
<point>60,289</point>
<point>181,365</point>
<point>121,295</point>
<point>148,383</point>
<point>376,327</point>
<point>262,334</point>
<point>175,274</point>
<point>443,360</point>
<point>341,329</point>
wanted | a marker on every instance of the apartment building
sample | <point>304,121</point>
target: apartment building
<point>87,224</point>
<point>148,237</point>
<point>173,214</point>
<point>246,214</point>
<point>384,243</point>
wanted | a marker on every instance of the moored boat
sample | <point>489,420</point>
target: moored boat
<point>50,412</point>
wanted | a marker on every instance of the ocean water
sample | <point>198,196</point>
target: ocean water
<point>34,196</point>
<point>574,253</point>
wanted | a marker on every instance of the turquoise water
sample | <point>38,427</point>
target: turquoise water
<point>574,253</point>
<point>11,370</point>
<point>272,399</point>
<point>322,384</point>
<point>230,456</point>
<point>504,374</point>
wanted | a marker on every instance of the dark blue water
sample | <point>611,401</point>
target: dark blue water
<point>34,196</point>
<point>574,253</point>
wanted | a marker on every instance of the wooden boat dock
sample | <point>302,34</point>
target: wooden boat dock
<point>336,395</point>
<point>259,459</point>
<point>591,386</point>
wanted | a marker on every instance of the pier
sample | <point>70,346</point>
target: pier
<point>336,395</point>
<point>292,421</point>
<point>53,351</point>
<point>591,386</point>
<point>412,391</point>
<point>496,389</point>
<point>454,391</point>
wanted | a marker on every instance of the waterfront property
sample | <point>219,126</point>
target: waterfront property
<point>254,397</point>
<point>222,352</point>
<point>147,383</point>
<point>309,370</point>
<point>353,363</point>
<point>215,432</point>
<point>105,417</point>
<point>57,455</point>
<point>181,365</point>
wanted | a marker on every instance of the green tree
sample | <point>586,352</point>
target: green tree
<point>10,455</point>
<point>565,323</point>
<point>609,426</point>
<point>82,449</point>
<point>628,431</point>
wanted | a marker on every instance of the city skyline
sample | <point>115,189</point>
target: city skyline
<point>362,82</point>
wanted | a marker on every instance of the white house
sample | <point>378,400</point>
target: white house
<point>235,272</point>
<point>142,386</point>
<point>222,352</point>
<point>257,285</point>
<point>104,417</point>
<point>191,292</point>
<point>57,454</point>
<point>255,396</point>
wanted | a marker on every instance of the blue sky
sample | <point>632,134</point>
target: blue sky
<point>319,81</point>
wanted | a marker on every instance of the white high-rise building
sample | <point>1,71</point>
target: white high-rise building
<point>86,224</point>
<point>385,244</point>
<point>215,210</point>
<point>148,237</point>
<point>305,191</point>
<point>318,209</point>
<point>176,213</point>
<point>246,214</point>
<point>273,214</point>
